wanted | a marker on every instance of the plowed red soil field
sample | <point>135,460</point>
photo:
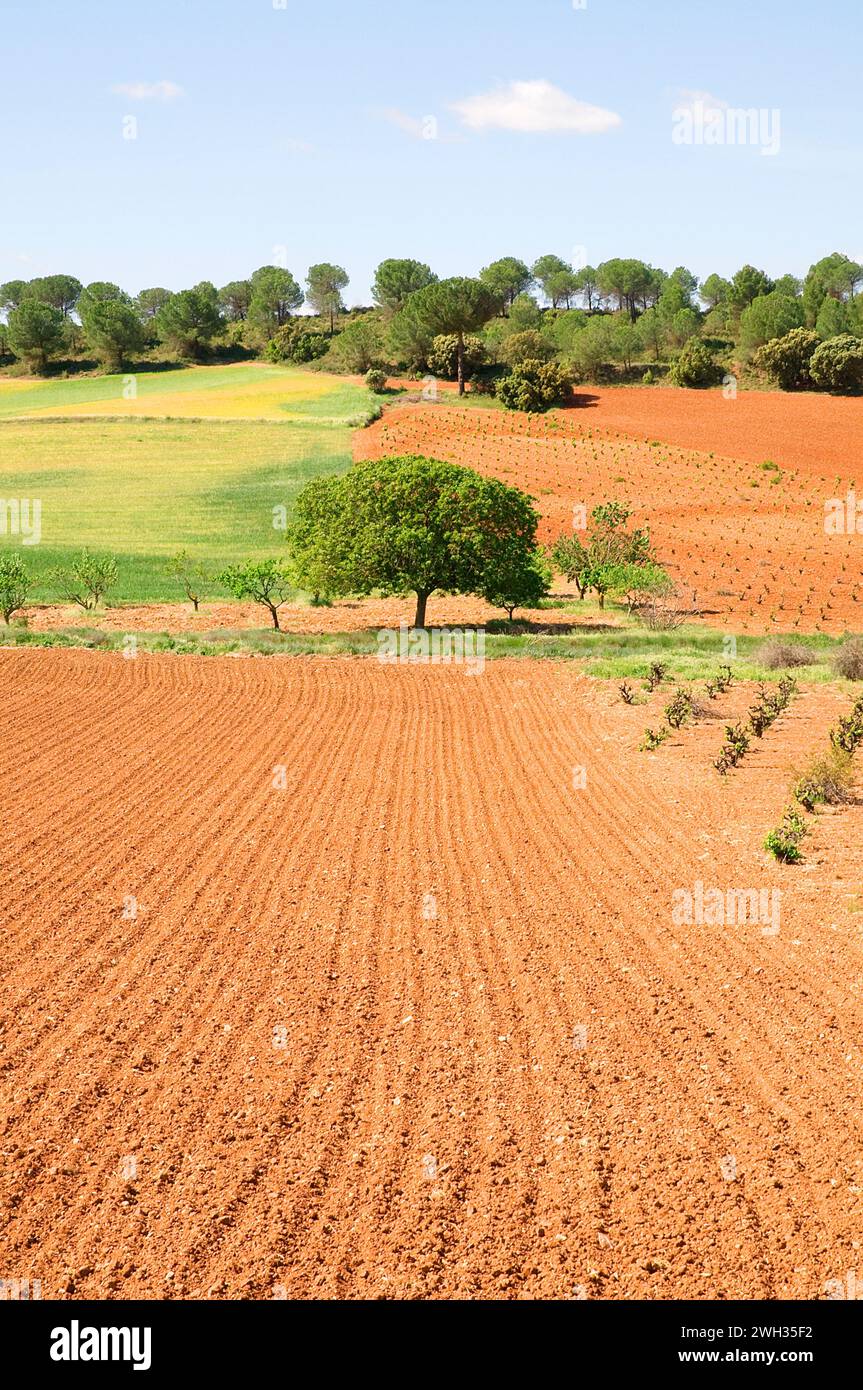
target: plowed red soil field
<point>416,1020</point>
<point>748,543</point>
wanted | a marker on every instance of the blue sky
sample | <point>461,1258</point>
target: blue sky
<point>297,133</point>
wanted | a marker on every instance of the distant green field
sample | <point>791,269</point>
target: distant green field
<point>143,488</point>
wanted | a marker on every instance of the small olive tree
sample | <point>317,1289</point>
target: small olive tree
<point>191,574</point>
<point>14,585</point>
<point>86,579</point>
<point>268,582</point>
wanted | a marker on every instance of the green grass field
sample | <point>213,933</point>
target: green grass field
<point>238,441</point>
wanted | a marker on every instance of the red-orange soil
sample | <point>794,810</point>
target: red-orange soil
<point>747,545</point>
<point>418,1022</point>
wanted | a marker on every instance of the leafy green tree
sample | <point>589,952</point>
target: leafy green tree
<point>524,313</point>
<point>411,524</point>
<point>459,306</point>
<point>11,294</point>
<point>100,291</point>
<point>837,365</point>
<point>570,556</point>
<point>560,334</point>
<point>60,291</point>
<point>236,297</point>
<point>545,268</point>
<point>834,317</point>
<point>35,332</point>
<point>627,281</point>
<point>521,581</point>
<point>769,316</point>
<point>747,284</point>
<point>785,361</point>
<point>113,329</point>
<point>587,285</point>
<point>359,346</point>
<point>638,583</point>
<point>686,282</point>
<point>86,579</point>
<point>268,582</point>
<point>610,544</point>
<point>396,279</point>
<point>191,574</point>
<point>315,562</point>
<point>14,585</point>
<point>835,276</point>
<point>562,288</point>
<point>190,319</point>
<point>653,332</point>
<point>507,279</point>
<point>325,284</point>
<point>715,291</point>
<point>275,295</point>
<point>594,347</point>
<point>149,302</point>
<point>790,285</point>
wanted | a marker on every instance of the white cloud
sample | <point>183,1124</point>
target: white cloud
<point>411,125</point>
<point>295,146</point>
<point>534,107</point>
<point>148,91</point>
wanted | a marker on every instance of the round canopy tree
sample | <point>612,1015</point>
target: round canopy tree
<point>456,306</point>
<point>411,525</point>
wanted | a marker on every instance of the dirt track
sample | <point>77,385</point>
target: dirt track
<point>297,1074</point>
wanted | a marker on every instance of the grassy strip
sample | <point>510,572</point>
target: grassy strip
<point>616,653</point>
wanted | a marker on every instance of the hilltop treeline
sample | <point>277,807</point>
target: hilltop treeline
<point>524,330</point>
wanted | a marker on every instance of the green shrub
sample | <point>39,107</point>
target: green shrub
<point>292,343</point>
<point>443,356</point>
<point>376,379</point>
<point>534,385</point>
<point>653,738</point>
<point>784,841</point>
<point>679,708</point>
<point>693,366</point>
<point>837,365</point>
<point>529,346</point>
<point>785,361</point>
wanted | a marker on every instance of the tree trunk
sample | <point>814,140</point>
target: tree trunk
<point>460,358</point>
<point>602,598</point>
<point>274,613</point>
<point>420,616</point>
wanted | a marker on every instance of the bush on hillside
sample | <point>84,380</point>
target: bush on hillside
<point>443,357</point>
<point>785,361</point>
<point>693,366</point>
<point>534,385</point>
<point>837,365</point>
